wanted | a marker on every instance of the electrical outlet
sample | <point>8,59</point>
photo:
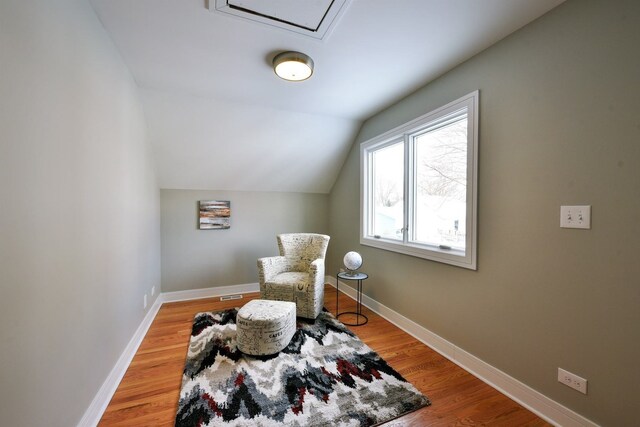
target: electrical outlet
<point>572,380</point>
<point>145,302</point>
<point>575,217</point>
<point>153,290</point>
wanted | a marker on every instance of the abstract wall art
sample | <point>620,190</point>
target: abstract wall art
<point>215,214</point>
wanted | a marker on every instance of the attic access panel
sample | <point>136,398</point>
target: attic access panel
<point>313,18</point>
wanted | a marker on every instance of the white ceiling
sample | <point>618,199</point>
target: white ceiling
<point>220,119</point>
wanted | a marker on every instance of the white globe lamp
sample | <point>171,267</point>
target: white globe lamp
<point>353,261</point>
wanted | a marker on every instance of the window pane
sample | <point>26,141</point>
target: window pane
<point>441,185</point>
<point>388,191</point>
<point>430,162</point>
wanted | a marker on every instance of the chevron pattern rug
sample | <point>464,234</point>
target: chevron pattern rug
<point>326,376</point>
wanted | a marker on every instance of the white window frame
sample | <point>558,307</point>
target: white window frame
<point>405,133</point>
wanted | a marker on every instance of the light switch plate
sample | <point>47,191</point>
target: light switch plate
<point>575,216</point>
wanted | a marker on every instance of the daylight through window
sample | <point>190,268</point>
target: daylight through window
<point>419,186</point>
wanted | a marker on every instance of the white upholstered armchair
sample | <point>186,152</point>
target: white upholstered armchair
<point>296,275</point>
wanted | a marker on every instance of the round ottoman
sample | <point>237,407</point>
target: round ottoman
<point>265,327</point>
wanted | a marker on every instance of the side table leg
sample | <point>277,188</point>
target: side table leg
<point>359,301</point>
<point>337,296</point>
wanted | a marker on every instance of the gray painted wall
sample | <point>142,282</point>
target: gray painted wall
<point>196,259</point>
<point>79,221</point>
<point>559,124</point>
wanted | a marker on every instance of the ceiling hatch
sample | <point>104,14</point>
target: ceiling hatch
<point>313,18</point>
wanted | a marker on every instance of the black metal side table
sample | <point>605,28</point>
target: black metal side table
<point>359,277</point>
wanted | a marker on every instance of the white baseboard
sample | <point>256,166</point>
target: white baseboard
<point>99,404</point>
<point>209,292</point>
<point>536,402</point>
<point>101,400</point>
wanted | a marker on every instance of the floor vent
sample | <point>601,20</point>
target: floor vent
<point>230,297</point>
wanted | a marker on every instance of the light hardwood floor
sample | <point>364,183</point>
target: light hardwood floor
<point>148,393</point>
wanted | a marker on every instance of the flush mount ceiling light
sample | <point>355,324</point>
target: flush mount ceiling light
<point>293,66</point>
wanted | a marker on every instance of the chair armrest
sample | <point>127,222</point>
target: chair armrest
<point>269,267</point>
<point>316,271</point>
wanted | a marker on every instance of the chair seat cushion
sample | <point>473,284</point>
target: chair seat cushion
<point>291,278</point>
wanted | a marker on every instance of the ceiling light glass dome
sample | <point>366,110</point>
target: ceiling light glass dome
<point>293,66</point>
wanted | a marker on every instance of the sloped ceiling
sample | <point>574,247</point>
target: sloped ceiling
<point>220,119</point>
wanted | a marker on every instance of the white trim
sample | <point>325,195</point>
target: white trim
<point>333,14</point>
<point>546,408</point>
<point>217,291</point>
<point>405,134</point>
<point>99,404</point>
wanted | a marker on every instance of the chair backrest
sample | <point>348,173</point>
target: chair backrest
<point>303,248</point>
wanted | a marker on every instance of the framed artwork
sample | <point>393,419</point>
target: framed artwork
<point>214,214</point>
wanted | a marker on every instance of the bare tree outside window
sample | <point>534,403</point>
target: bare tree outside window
<point>387,193</point>
<point>443,167</point>
<point>441,183</point>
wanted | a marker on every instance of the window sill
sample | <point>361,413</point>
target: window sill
<point>452,257</point>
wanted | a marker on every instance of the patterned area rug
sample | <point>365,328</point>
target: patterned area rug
<point>326,376</point>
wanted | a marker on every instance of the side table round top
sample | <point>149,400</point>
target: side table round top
<point>348,276</point>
